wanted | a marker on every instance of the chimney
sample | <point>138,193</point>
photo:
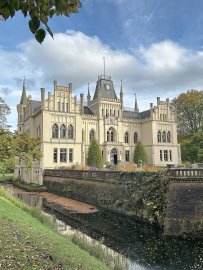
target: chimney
<point>42,97</point>
<point>81,103</point>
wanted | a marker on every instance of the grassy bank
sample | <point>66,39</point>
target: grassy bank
<point>26,243</point>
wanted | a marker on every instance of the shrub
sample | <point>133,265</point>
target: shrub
<point>140,154</point>
<point>94,154</point>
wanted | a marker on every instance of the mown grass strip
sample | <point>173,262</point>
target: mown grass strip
<point>36,245</point>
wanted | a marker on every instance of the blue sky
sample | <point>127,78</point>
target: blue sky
<point>154,46</point>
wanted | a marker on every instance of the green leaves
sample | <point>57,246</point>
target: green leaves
<point>94,154</point>
<point>140,154</point>
<point>22,146</point>
<point>40,12</point>
<point>40,35</point>
<point>34,24</point>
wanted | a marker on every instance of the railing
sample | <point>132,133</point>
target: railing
<point>186,173</point>
<point>79,174</point>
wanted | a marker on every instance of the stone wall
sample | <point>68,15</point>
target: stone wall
<point>173,203</point>
<point>184,213</point>
<point>140,195</point>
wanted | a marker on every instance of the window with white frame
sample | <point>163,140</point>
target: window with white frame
<point>55,155</point>
<point>126,137</point>
<point>63,155</point>
<point>161,156</point>
<point>127,155</point>
<point>170,155</point>
<point>55,131</point>
<point>70,158</point>
<point>164,136</point>
<point>91,135</point>
<point>70,132</point>
<point>63,131</point>
<point>168,136</point>
<point>159,136</point>
<point>165,155</point>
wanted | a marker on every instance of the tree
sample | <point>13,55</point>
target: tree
<point>200,151</point>
<point>189,108</point>
<point>140,154</point>
<point>39,12</point>
<point>16,148</point>
<point>191,148</point>
<point>94,154</point>
<point>4,111</point>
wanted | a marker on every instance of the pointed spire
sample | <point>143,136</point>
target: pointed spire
<point>121,91</point>
<point>23,100</point>
<point>88,96</point>
<point>136,110</point>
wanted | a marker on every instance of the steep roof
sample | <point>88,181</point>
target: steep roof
<point>35,104</point>
<point>87,110</point>
<point>131,115</point>
<point>145,114</point>
<point>105,88</point>
<point>23,99</point>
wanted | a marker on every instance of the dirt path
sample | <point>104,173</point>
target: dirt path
<point>70,204</point>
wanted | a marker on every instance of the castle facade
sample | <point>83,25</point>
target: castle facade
<point>67,125</point>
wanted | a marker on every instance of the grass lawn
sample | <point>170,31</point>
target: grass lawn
<point>26,243</point>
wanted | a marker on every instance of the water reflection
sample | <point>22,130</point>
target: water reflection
<point>146,248</point>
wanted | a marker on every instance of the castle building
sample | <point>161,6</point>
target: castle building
<point>66,127</point>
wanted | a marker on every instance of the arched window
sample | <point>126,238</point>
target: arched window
<point>159,136</point>
<point>70,132</point>
<point>107,136</point>
<point>112,136</point>
<point>55,131</point>
<point>91,135</point>
<point>83,135</point>
<point>169,136</point>
<point>62,132</point>
<point>126,137</point>
<point>164,136</point>
<point>135,137</point>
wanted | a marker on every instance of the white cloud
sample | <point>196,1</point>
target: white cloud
<point>162,69</point>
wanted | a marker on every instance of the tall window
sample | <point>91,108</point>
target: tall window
<point>112,136</point>
<point>62,132</point>
<point>165,155</point>
<point>59,106</point>
<point>169,136</point>
<point>55,155</point>
<point>164,136</point>
<point>83,135</point>
<point>66,107</point>
<point>126,137</point>
<point>91,135</point>
<point>159,136</point>
<point>108,136</point>
<point>63,155</point>
<point>135,137</point>
<point>70,155</point>
<point>161,156</point>
<point>127,155</point>
<point>55,131</point>
<point>63,107</point>
<point>70,132</point>
<point>170,155</point>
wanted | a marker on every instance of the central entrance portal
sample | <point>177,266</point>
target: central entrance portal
<point>114,156</point>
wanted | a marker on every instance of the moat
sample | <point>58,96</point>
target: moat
<point>144,246</point>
